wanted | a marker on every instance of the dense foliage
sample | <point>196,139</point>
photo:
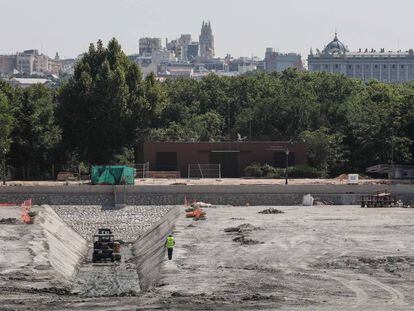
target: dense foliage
<point>257,170</point>
<point>107,108</point>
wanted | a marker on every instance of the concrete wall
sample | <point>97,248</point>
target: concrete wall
<point>149,251</point>
<point>66,247</point>
<point>215,194</point>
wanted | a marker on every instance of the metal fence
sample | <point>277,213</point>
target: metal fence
<point>204,171</point>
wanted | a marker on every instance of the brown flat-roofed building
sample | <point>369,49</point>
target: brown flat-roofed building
<point>233,157</point>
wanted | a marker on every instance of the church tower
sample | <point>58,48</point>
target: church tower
<point>206,41</point>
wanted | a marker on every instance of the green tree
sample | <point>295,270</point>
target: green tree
<point>183,101</point>
<point>205,127</point>
<point>36,134</point>
<point>107,106</point>
<point>6,127</point>
<point>173,132</point>
<point>379,118</point>
<point>127,157</point>
<point>208,126</point>
<point>6,124</point>
<point>325,150</point>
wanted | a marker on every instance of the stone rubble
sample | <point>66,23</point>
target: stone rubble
<point>271,211</point>
<point>242,229</point>
<point>127,223</point>
<point>9,221</point>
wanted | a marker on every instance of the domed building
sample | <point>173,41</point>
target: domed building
<point>365,64</point>
<point>335,47</point>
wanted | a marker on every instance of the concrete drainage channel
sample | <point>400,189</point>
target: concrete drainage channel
<point>142,229</point>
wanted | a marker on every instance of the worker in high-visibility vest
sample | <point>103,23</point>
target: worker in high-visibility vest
<point>170,243</point>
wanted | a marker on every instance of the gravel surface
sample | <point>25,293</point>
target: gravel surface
<point>127,223</point>
<point>320,258</point>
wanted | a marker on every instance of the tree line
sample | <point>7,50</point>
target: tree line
<point>102,113</point>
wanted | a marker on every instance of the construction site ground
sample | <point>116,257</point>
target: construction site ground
<point>219,181</point>
<point>307,258</point>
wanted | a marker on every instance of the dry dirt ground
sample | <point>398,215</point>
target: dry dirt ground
<point>213,181</point>
<point>316,258</point>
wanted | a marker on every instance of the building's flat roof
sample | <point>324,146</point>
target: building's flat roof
<point>222,142</point>
<point>365,55</point>
<point>30,80</point>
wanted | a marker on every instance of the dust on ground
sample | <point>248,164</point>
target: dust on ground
<point>218,181</point>
<point>308,258</point>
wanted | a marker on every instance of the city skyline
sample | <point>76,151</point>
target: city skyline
<point>239,30</point>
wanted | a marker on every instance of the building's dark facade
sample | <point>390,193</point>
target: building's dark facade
<point>233,156</point>
<point>279,62</point>
<point>192,51</point>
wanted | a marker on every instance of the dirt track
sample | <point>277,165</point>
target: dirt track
<point>319,258</point>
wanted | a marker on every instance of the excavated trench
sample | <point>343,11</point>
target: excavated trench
<point>67,231</point>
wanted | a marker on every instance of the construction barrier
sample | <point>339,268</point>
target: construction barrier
<point>26,207</point>
<point>8,204</point>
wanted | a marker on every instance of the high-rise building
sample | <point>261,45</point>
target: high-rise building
<point>29,62</point>
<point>192,51</point>
<point>7,64</point>
<point>182,46</point>
<point>241,65</point>
<point>206,41</point>
<point>149,45</point>
<point>393,67</point>
<point>275,61</point>
<point>26,61</point>
<point>172,46</point>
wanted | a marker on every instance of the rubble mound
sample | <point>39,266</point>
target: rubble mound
<point>242,233</point>
<point>271,211</point>
<point>246,241</point>
<point>241,229</point>
<point>8,221</point>
<point>389,263</point>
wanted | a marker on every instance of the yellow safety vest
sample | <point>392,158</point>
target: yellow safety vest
<point>170,242</point>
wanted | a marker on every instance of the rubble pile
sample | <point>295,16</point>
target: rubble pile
<point>8,221</point>
<point>391,264</point>
<point>243,231</point>
<point>244,228</point>
<point>246,241</point>
<point>271,211</point>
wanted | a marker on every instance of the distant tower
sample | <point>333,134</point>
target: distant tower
<point>206,41</point>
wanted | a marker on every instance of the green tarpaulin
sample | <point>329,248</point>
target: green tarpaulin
<point>112,175</point>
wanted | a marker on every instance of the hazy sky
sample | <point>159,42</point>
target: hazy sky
<point>241,27</point>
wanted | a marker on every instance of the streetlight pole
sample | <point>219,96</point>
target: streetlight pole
<point>4,166</point>
<point>287,165</point>
<point>392,156</point>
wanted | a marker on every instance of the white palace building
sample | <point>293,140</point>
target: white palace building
<point>392,67</point>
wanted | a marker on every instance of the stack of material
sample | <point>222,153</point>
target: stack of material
<point>202,205</point>
<point>196,213</point>
<point>380,199</point>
